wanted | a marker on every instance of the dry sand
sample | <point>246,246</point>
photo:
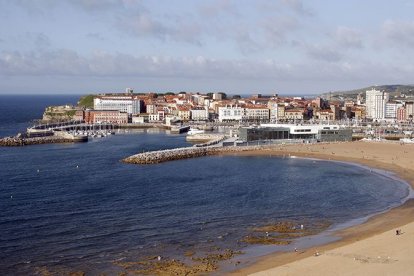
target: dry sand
<point>372,248</point>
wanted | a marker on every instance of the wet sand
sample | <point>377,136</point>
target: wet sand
<point>371,248</point>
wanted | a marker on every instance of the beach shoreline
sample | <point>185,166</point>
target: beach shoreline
<point>391,157</point>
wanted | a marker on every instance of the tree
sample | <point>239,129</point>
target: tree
<point>223,95</point>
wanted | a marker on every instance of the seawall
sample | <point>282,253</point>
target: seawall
<point>160,156</point>
<point>16,141</point>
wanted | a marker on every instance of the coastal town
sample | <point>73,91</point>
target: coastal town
<point>138,108</point>
<point>214,137</point>
<point>372,115</point>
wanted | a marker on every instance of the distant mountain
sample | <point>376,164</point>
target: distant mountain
<point>396,91</point>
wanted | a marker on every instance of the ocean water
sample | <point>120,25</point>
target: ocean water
<point>76,207</point>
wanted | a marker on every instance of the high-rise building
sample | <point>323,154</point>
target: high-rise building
<point>375,103</point>
<point>409,107</point>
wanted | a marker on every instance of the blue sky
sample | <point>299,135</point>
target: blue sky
<point>239,47</point>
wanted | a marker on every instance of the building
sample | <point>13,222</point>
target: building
<point>199,114</point>
<point>155,117</point>
<point>142,118</point>
<point>325,115</point>
<point>256,114</point>
<point>109,116</point>
<point>247,134</point>
<point>359,112</point>
<point>102,116</point>
<point>184,113</point>
<point>401,114</point>
<point>391,110</point>
<point>294,114</point>
<point>128,104</point>
<point>375,104</point>
<point>230,113</point>
<point>217,96</point>
<point>336,111</point>
<point>323,133</point>
<point>409,110</point>
<point>277,111</point>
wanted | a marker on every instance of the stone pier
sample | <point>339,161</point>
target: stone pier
<point>25,141</point>
<point>160,156</point>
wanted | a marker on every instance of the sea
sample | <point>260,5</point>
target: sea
<point>76,207</point>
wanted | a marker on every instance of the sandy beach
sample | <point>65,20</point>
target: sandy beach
<point>372,248</point>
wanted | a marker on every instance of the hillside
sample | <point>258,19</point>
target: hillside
<point>395,91</point>
<point>86,101</point>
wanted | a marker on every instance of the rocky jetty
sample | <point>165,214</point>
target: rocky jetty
<point>20,141</point>
<point>160,156</point>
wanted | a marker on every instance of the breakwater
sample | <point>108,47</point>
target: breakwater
<point>154,157</point>
<point>19,141</point>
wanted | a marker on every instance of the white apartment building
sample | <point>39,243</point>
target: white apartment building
<point>127,104</point>
<point>391,110</point>
<point>237,113</point>
<point>375,103</point>
<point>230,113</point>
<point>199,114</point>
<point>274,110</point>
<point>409,109</point>
<point>257,114</point>
<point>153,117</point>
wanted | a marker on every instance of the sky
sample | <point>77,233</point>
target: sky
<point>238,47</point>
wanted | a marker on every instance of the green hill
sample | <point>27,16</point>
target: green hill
<point>86,101</point>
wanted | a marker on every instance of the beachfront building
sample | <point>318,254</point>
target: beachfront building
<point>128,104</point>
<point>324,133</point>
<point>248,134</point>
<point>375,104</point>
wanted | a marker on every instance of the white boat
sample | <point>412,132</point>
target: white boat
<point>194,131</point>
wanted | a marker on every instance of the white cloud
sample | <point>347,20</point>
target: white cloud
<point>399,33</point>
<point>277,29</point>
<point>297,6</point>
<point>218,8</point>
<point>69,63</point>
<point>348,38</point>
<point>323,53</point>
